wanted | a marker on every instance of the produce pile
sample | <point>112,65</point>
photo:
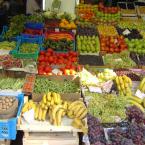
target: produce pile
<point>43,84</point>
<point>6,45</point>
<point>28,48</point>
<point>121,60</point>
<point>88,44</point>
<point>107,107</point>
<point>59,41</point>
<point>107,14</point>
<point>11,83</point>
<point>63,63</point>
<point>111,44</point>
<point>53,106</point>
<point>136,45</point>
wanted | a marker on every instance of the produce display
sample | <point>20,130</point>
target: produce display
<point>6,102</point>
<point>107,107</point>
<point>6,45</point>
<point>86,31</point>
<point>119,60</point>
<point>88,44</point>
<point>67,25</point>
<point>136,45</point>
<point>43,84</point>
<point>11,83</point>
<point>111,44</point>
<point>105,30</point>
<point>55,108</point>
<point>124,85</point>
<point>28,48</point>
<point>87,76</point>
<point>66,62</point>
<point>107,14</point>
<point>7,62</point>
<point>59,41</point>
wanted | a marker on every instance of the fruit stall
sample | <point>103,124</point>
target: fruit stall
<point>74,79</point>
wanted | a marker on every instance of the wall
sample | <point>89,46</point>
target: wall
<point>66,5</point>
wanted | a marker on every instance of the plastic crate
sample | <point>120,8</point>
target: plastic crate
<point>27,39</point>
<point>33,25</point>
<point>8,128</point>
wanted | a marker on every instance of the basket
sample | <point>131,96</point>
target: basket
<point>8,127</point>
<point>29,39</point>
<point>33,25</point>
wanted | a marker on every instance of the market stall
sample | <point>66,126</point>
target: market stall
<point>74,79</point>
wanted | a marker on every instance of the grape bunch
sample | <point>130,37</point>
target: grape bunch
<point>133,113</point>
<point>96,131</point>
<point>134,134</point>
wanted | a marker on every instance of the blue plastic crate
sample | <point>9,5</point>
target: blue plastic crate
<point>8,128</point>
<point>27,39</point>
<point>33,25</point>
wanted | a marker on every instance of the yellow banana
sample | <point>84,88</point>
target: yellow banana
<point>34,106</point>
<point>80,112</point>
<point>77,108</point>
<point>44,112</point>
<point>44,99</point>
<point>54,95</point>
<point>52,102</point>
<point>136,99</point>
<point>117,81</point>
<point>142,84</point>
<point>36,112</point>
<point>59,116</point>
<point>59,99</point>
<point>70,114</point>
<point>49,96</point>
<point>65,105</point>
<point>137,105</point>
<point>48,104</point>
<point>120,80</point>
<point>84,114</point>
<point>74,104</point>
<point>54,110</point>
<point>40,114</point>
<point>25,107</point>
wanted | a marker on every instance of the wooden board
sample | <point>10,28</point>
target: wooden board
<point>51,139</point>
<point>45,126</point>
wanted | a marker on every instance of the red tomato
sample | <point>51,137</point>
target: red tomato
<point>42,52</point>
<point>50,50</point>
<point>41,58</point>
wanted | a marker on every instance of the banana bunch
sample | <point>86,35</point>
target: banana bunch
<point>133,100</point>
<point>28,106</point>
<point>48,101</point>
<point>77,109</point>
<point>80,124</point>
<point>124,85</point>
<point>57,112</point>
<point>142,85</point>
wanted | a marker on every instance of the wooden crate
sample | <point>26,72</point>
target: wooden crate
<point>51,139</point>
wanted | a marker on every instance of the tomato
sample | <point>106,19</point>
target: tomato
<point>47,69</point>
<point>42,52</point>
<point>50,50</point>
<point>41,58</point>
<point>48,54</point>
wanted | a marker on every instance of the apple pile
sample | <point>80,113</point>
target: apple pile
<point>112,44</point>
<point>136,45</point>
<point>88,44</point>
<point>51,62</point>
